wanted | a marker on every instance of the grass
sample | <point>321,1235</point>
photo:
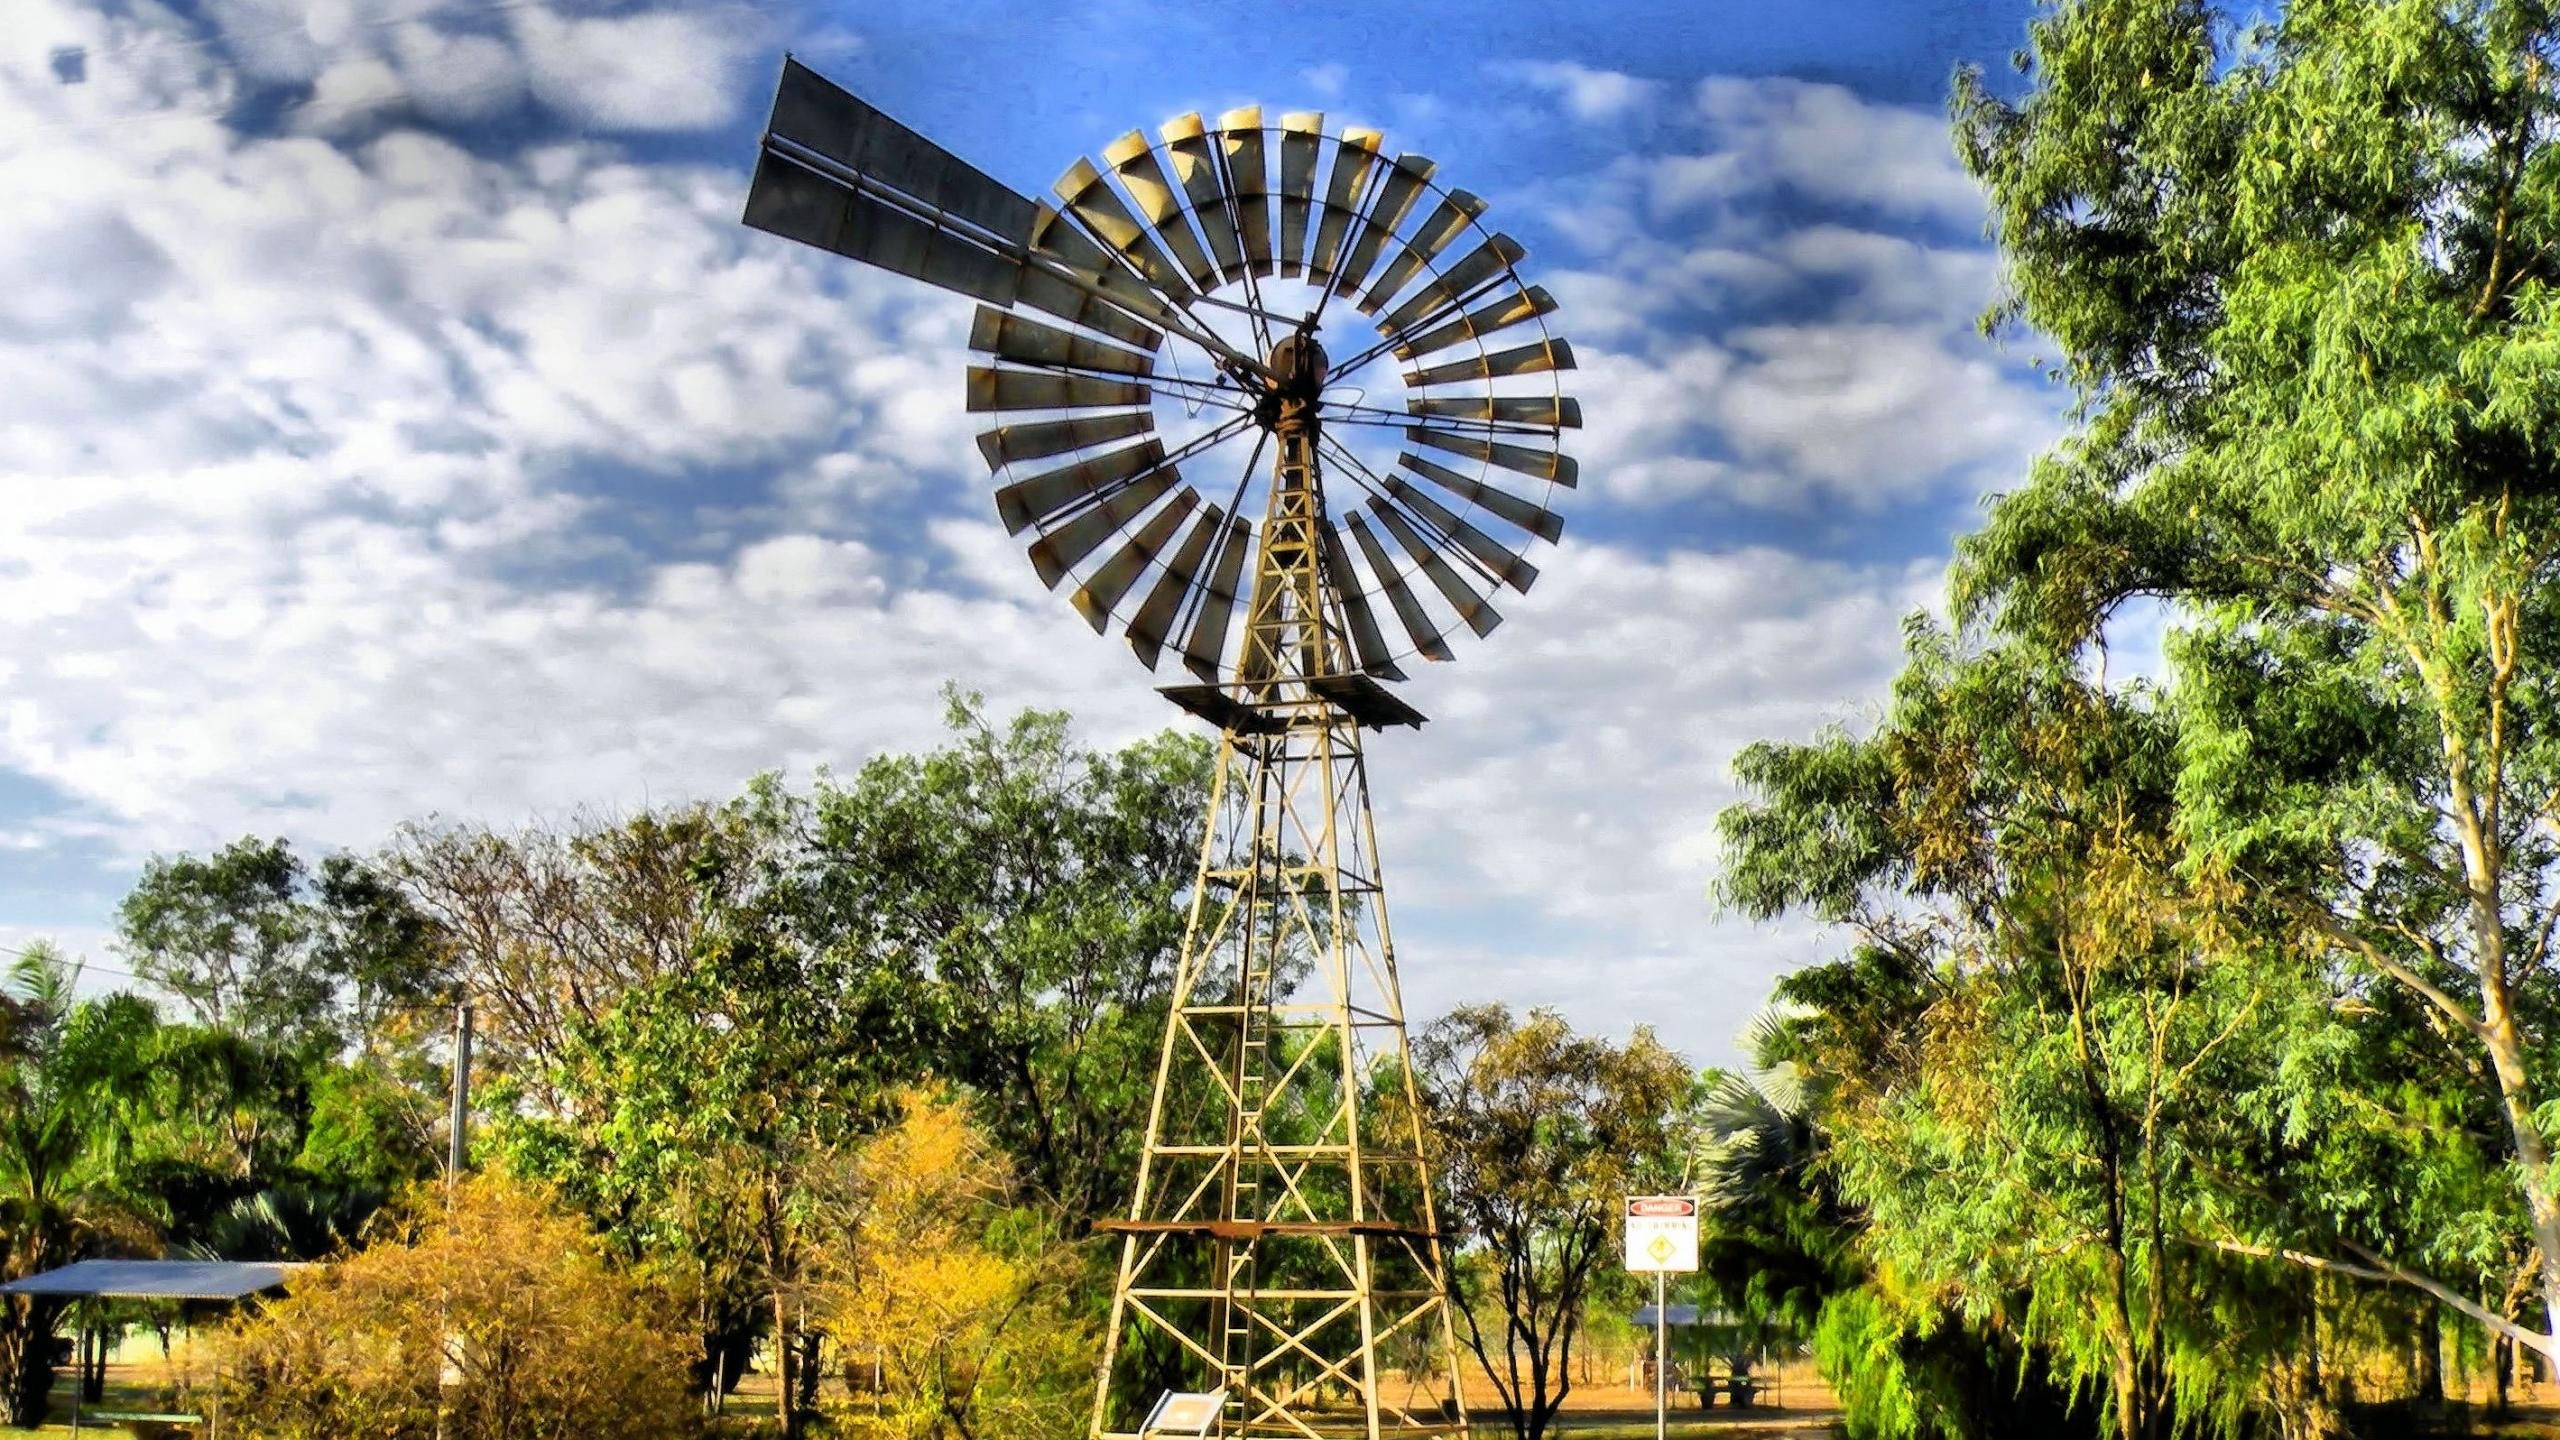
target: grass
<point>118,1397</point>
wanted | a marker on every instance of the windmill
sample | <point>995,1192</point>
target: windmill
<point>1203,471</point>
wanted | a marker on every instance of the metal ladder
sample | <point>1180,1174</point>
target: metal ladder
<point>1253,1073</point>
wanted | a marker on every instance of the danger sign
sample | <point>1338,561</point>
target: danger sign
<point>1662,1234</point>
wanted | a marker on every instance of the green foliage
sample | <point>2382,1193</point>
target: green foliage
<point>722,1097</point>
<point>67,1186</point>
<point>2073,1092</point>
<point>253,945</point>
<point>2300,275</point>
<point>1538,1134</point>
<point>696,1021</point>
<point>229,936</point>
<point>2174,1013</point>
<point>122,1134</point>
<point>1787,1252</point>
<point>369,1128</point>
<point>1030,894</point>
<point>1002,914</point>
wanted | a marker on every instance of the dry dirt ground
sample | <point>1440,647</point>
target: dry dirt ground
<point>1604,1407</point>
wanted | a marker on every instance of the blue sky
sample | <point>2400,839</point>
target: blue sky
<point>395,422</point>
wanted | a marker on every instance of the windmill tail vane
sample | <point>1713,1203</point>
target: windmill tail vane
<point>1281,1254</point>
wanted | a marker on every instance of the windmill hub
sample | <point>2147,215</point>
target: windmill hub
<point>1298,362</point>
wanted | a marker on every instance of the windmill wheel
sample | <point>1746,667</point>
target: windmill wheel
<point>1176,285</point>
<point>1136,460</point>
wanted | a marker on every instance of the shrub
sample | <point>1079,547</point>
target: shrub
<point>499,1310</point>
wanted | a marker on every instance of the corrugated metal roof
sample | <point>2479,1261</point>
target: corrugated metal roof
<point>156,1279</point>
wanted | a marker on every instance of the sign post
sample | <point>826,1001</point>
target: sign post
<point>1662,1239</point>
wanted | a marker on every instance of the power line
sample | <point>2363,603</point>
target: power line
<point>81,965</point>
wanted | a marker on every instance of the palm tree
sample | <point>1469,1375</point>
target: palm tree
<point>1776,1245</point>
<point>65,1066</point>
<point>288,1222</point>
<point>1757,1123</point>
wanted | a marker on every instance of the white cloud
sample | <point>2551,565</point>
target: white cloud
<point>1588,94</point>
<point>352,481</point>
<point>1326,80</point>
<point>273,477</point>
<point>661,70</point>
<point>1753,325</point>
<point>670,66</point>
<point>1866,410</point>
<point>1827,142</point>
<point>1795,417</point>
<point>1576,763</point>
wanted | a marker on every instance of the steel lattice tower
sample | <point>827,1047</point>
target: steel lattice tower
<point>1283,1209</point>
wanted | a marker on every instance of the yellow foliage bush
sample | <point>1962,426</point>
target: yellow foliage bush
<point>500,1311</point>
<point>958,1297</point>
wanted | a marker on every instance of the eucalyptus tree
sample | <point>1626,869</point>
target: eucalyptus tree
<point>548,925</point>
<point>703,1113</point>
<point>2299,274</point>
<point>1538,1135</point>
<point>1783,1246</point>
<point>2038,1140</point>
<point>254,943</point>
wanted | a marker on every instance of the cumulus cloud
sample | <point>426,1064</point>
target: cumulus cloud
<point>353,475</point>
<point>1826,142</point>
<point>1776,307</point>
<point>1586,93</point>
<point>1568,786</point>
<point>666,66</point>
<point>289,479</point>
<point>1855,407</point>
<point>663,70</point>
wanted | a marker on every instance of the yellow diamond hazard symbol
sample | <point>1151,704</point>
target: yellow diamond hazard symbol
<point>1660,1249</point>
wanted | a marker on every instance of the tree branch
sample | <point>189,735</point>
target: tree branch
<point>2374,955</point>
<point>2377,1268</point>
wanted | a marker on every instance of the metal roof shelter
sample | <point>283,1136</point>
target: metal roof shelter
<point>1682,1316</point>
<point>156,1280</point>
<point>212,1280</point>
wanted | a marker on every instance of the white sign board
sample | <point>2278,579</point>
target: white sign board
<point>1181,1413</point>
<point>1662,1234</point>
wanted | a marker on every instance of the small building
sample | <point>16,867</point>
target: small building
<point>205,1281</point>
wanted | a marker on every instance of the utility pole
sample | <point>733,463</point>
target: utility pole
<point>458,1148</point>
<point>461,1125</point>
